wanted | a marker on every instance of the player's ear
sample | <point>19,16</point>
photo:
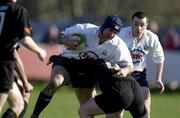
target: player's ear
<point>147,24</point>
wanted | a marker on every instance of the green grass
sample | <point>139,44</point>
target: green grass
<point>65,105</point>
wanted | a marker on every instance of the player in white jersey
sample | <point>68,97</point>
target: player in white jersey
<point>101,42</point>
<point>141,43</point>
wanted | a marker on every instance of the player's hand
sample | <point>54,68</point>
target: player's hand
<point>49,62</point>
<point>28,87</point>
<point>160,85</point>
<point>70,43</point>
<point>42,54</point>
<point>120,73</point>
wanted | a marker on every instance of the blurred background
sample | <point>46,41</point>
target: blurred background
<point>48,17</point>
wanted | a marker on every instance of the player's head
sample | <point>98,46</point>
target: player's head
<point>139,23</point>
<point>112,23</point>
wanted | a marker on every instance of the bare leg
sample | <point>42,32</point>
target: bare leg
<point>115,115</point>
<point>89,109</point>
<point>59,76</point>
<point>84,94</point>
<point>147,95</point>
<point>15,99</point>
<point>3,98</point>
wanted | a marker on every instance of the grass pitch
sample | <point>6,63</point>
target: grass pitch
<point>65,105</point>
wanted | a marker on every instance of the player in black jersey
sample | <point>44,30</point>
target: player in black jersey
<point>117,92</point>
<point>14,27</point>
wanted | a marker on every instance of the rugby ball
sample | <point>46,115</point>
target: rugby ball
<point>81,39</point>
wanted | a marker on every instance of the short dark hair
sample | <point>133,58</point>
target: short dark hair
<point>140,15</point>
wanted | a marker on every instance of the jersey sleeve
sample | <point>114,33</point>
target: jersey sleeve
<point>23,24</point>
<point>78,28</point>
<point>156,51</point>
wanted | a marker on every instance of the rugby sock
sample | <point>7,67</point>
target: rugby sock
<point>9,114</point>
<point>24,110</point>
<point>42,102</point>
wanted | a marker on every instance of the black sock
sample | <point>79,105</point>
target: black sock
<point>42,101</point>
<point>24,110</point>
<point>9,114</point>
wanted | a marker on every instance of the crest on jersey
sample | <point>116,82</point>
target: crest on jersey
<point>146,47</point>
<point>104,52</point>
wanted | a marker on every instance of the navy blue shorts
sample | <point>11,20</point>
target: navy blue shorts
<point>79,78</point>
<point>6,75</point>
<point>141,78</point>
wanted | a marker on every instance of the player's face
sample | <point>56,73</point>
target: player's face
<point>109,33</point>
<point>139,26</point>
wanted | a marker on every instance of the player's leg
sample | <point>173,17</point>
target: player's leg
<point>84,94</point>
<point>25,95</point>
<point>147,95</point>
<point>115,115</point>
<point>6,84</point>
<point>89,109</point>
<point>101,104</point>
<point>3,98</point>
<point>138,108</point>
<point>15,101</point>
<point>143,82</point>
<point>59,77</point>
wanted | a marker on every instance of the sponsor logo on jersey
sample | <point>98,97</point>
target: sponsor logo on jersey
<point>137,55</point>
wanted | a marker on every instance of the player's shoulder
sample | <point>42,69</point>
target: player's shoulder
<point>16,8</point>
<point>86,25</point>
<point>151,35</point>
<point>119,40</point>
<point>125,31</point>
<point>126,28</point>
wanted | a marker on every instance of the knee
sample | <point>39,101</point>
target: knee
<point>146,92</point>
<point>57,81</point>
<point>84,94</point>
<point>54,84</point>
<point>17,107</point>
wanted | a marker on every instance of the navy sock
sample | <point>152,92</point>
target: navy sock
<point>9,114</point>
<point>42,102</point>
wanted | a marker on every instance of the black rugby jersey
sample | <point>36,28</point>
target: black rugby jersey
<point>14,25</point>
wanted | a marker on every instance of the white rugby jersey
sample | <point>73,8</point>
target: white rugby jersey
<point>114,51</point>
<point>149,45</point>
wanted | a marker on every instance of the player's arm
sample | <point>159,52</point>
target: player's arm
<point>158,58</point>
<point>123,72</point>
<point>123,56</point>
<point>68,41</point>
<point>159,76</point>
<point>28,42</point>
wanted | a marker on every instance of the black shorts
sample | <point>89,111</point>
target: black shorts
<point>141,78</point>
<point>6,75</point>
<point>79,78</point>
<point>126,94</point>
